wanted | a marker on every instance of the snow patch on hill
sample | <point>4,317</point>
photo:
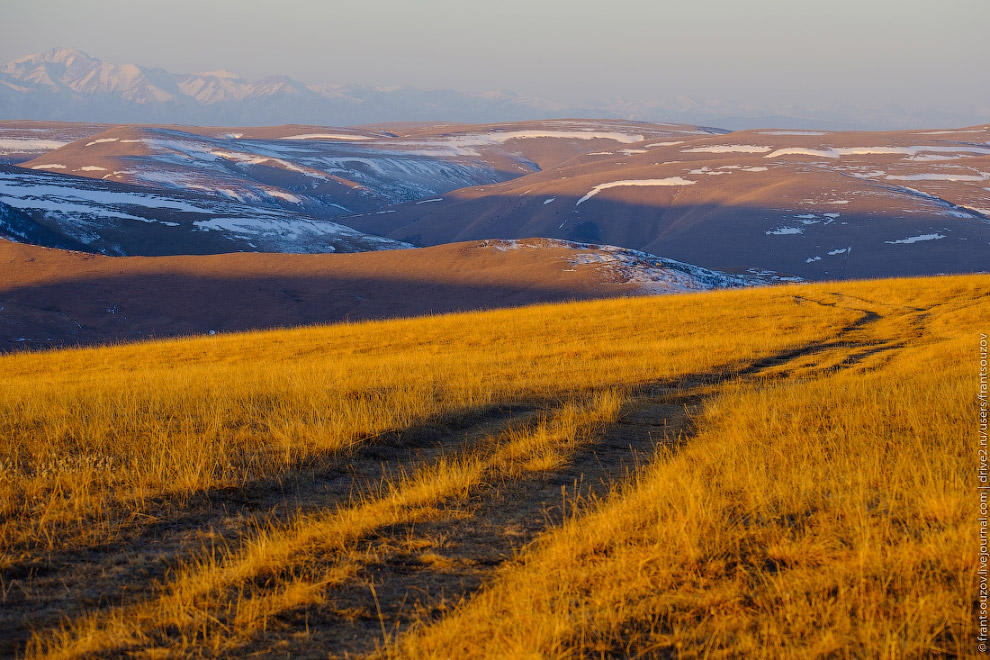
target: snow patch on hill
<point>655,275</point>
<point>334,137</point>
<point>28,146</point>
<point>647,272</point>
<point>916,239</point>
<point>727,149</point>
<point>467,145</point>
<point>945,176</point>
<point>668,181</point>
<point>793,133</point>
<point>838,152</point>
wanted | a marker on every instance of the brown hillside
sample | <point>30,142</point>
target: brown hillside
<point>51,297</point>
<point>821,205</point>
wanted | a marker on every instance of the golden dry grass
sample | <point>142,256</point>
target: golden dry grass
<point>814,502</point>
<point>826,516</point>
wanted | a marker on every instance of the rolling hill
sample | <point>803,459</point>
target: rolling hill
<point>24,140</point>
<point>332,171</point>
<point>274,189</point>
<point>812,204</point>
<point>51,298</point>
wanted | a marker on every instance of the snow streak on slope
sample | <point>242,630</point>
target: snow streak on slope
<point>110,218</point>
<point>668,181</point>
<point>839,152</point>
<point>466,145</point>
<point>28,145</point>
<point>727,149</point>
<point>915,239</point>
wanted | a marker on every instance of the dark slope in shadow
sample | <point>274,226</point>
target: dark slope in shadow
<point>135,307</point>
<point>724,236</point>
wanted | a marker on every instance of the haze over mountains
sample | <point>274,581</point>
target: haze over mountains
<point>67,84</point>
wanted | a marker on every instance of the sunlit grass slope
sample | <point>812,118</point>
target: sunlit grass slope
<point>828,514</point>
<point>814,501</point>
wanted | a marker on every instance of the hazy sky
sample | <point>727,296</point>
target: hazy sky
<point>919,54</point>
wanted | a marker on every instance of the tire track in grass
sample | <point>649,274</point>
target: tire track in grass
<point>220,600</point>
<point>419,569</point>
<point>42,587</point>
<point>427,538</point>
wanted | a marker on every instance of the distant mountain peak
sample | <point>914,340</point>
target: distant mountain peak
<point>221,73</point>
<point>57,55</point>
<point>66,57</point>
<point>61,54</point>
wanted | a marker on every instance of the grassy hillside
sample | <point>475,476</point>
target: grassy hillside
<point>775,472</point>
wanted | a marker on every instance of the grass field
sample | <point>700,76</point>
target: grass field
<point>782,472</point>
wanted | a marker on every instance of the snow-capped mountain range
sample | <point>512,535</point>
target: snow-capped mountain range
<point>65,83</point>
